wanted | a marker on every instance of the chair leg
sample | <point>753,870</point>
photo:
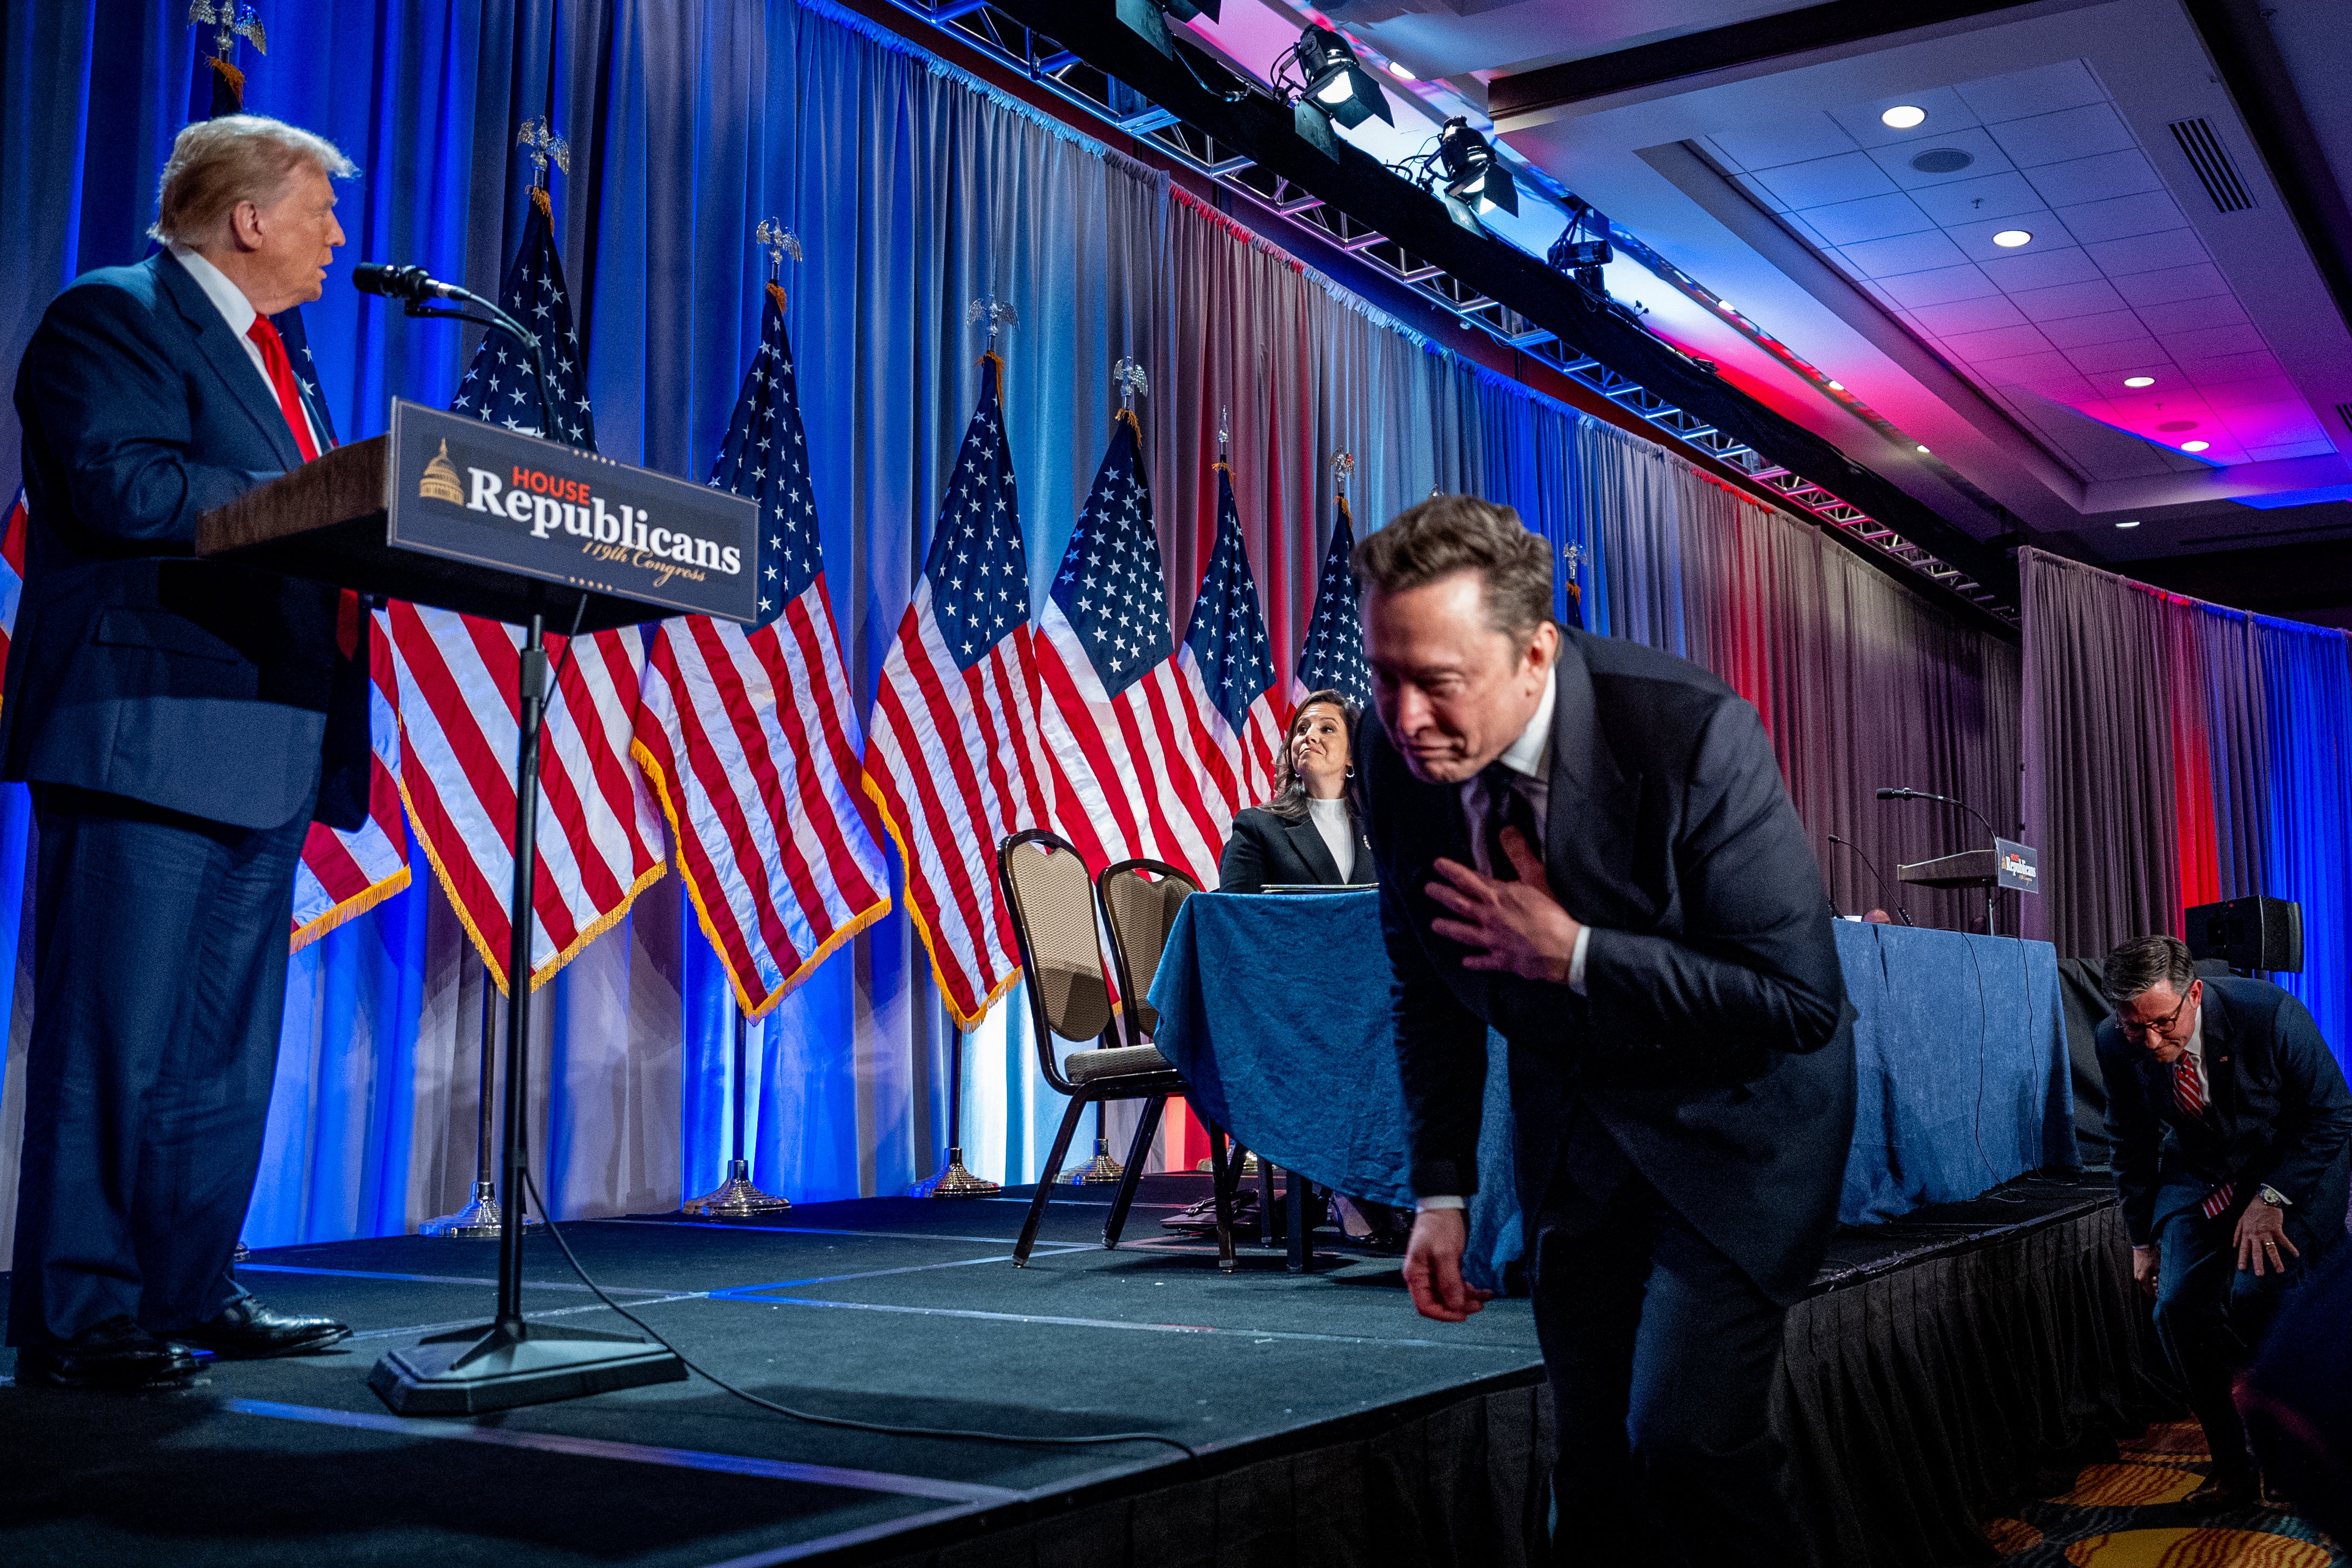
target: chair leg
<point>1302,1235</point>
<point>1146,1127</point>
<point>1269,1226</point>
<point>1220,1187</point>
<point>1045,1182</point>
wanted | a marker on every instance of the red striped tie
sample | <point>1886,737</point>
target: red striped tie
<point>2191,1102</point>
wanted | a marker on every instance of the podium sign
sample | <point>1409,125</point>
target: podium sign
<point>2019,867</point>
<point>470,491</point>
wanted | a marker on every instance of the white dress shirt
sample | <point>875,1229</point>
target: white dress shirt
<point>1530,756</point>
<point>238,312</point>
<point>1338,831</point>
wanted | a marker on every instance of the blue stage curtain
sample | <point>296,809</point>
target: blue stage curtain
<point>914,188</point>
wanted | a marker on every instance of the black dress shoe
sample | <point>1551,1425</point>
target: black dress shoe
<point>116,1353</point>
<point>248,1330</point>
<point>2223,1493</point>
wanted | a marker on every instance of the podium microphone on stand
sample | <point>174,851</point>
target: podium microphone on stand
<point>1866,861</point>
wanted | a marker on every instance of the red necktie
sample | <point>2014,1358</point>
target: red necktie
<point>2190,1102</point>
<point>265,337</point>
<point>281,380</point>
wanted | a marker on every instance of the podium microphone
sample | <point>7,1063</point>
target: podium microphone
<point>1904,792</point>
<point>1866,859</point>
<point>403,283</point>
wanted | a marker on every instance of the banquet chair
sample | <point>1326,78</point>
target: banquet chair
<point>1053,906</point>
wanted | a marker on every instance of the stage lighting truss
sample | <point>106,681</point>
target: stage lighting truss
<point>1320,69</point>
<point>1059,71</point>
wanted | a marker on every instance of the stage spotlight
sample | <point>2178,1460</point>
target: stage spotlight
<point>1149,18</point>
<point>1337,82</point>
<point>1473,175</point>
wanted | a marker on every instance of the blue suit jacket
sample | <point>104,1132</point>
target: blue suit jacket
<point>199,686</point>
<point>2280,1114</point>
<point>1714,1039</point>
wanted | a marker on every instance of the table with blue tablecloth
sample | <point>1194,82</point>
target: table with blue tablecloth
<point>1276,1010</point>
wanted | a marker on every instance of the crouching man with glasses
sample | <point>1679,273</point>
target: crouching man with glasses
<point>2232,1133</point>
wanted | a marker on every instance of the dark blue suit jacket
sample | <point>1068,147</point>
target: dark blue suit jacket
<point>2281,1115</point>
<point>1712,1041</point>
<point>137,670</point>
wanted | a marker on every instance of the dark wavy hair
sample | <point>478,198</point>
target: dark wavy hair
<point>1290,797</point>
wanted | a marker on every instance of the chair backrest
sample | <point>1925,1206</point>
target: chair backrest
<point>1045,887</point>
<point>1139,912</point>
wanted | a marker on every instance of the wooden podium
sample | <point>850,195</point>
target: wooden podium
<point>460,514</point>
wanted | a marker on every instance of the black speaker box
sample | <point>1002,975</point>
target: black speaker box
<point>2248,933</point>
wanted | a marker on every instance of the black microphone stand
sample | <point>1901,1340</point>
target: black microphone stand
<point>1873,866</point>
<point>497,321</point>
<point>1992,894</point>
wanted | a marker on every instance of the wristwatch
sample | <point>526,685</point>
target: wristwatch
<point>2273,1197</point>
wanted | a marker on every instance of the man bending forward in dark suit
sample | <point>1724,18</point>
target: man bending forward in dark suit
<point>2232,1133</point>
<point>1586,844</point>
<point>180,722</point>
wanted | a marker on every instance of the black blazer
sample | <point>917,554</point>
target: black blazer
<point>202,688</point>
<point>1713,1039</point>
<point>2283,1114</point>
<point>1265,848</point>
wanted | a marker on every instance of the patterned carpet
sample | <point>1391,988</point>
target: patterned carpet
<point>2123,1515</point>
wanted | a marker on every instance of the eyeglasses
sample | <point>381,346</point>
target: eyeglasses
<point>2160,1025</point>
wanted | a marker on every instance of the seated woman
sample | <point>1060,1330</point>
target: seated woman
<point>1310,834</point>
<point>1312,831</point>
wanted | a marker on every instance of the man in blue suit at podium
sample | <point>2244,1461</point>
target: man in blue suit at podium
<point>181,723</point>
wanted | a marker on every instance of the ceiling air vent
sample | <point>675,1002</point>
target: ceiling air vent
<point>2213,165</point>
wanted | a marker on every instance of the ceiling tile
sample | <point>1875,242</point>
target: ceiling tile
<point>1967,316</point>
<point>2319,448</point>
<point>2148,253</point>
<point>1975,237</point>
<point>2124,354</point>
<point>2253,389</point>
<point>2109,174</point>
<point>1805,231</point>
<point>2270,424</point>
<point>1846,178</point>
<point>1905,253</point>
<point>1759,192</point>
<point>2154,406</point>
<point>2041,90</point>
<point>1991,196</point>
<point>1984,158</point>
<point>2189,315</point>
<point>2094,297</point>
<point>2214,342</point>
<point>2121,217</point>
<point>1874,217</point>
<point>1947,112</point>
<point>2034,267</point>
<point>1939,288</point>
<point>2199,281</point>
<point>1796,140</point>
<point>2024,369</point>
<point>2005,342</point>
<point>2225,368</point>
<point>2075,332</point>
<point>2080,133</point>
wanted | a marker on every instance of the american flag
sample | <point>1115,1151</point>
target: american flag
<point>1137,767</point>
<point>499,388</point>
<point>1333,656</point>
<point>750,738</point>
<point>599,831</point>
<point>12,570</point>
<point>952,755</point>
<point>1227,646</point>
<point>346,872</point>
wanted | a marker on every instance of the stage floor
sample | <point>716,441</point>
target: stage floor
<point>888,1310</point>
<point>892,1310</point>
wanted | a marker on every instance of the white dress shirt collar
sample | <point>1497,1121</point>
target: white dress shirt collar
<point>1530,754</point>
<point>226,297</point>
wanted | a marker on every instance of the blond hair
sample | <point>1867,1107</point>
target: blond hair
<point>218,163</point>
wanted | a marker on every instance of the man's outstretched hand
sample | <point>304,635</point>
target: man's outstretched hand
<point>1432,1267</point>
<point>1510,928</point>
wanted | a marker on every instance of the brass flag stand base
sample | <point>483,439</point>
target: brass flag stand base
<point>1102,1169</point>
<point>479,1220</point>
<point>736,1197</point>
<point>953,1180</point>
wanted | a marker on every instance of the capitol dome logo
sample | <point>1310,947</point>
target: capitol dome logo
<point>440,481</point>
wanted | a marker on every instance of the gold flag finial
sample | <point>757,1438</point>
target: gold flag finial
<point>546,147</point>
<point>234,21</point>
<point>1342,464</point>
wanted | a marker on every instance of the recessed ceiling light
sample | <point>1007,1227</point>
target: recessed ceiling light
<point>2195,445</point>
<point>1837,386</point>
<point>1923,449</point>
<point>2009,239</point>
<point>2140,380</point>
<point>2133,524</point>
<point>1903,117</point>
<point>1727,306</point>
<point>1402,74</point>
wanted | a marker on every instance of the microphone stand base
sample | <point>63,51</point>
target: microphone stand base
<point>478,1221</point>
<point>499,1365</point>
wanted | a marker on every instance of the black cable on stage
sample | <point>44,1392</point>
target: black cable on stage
<point>884,1428</point>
